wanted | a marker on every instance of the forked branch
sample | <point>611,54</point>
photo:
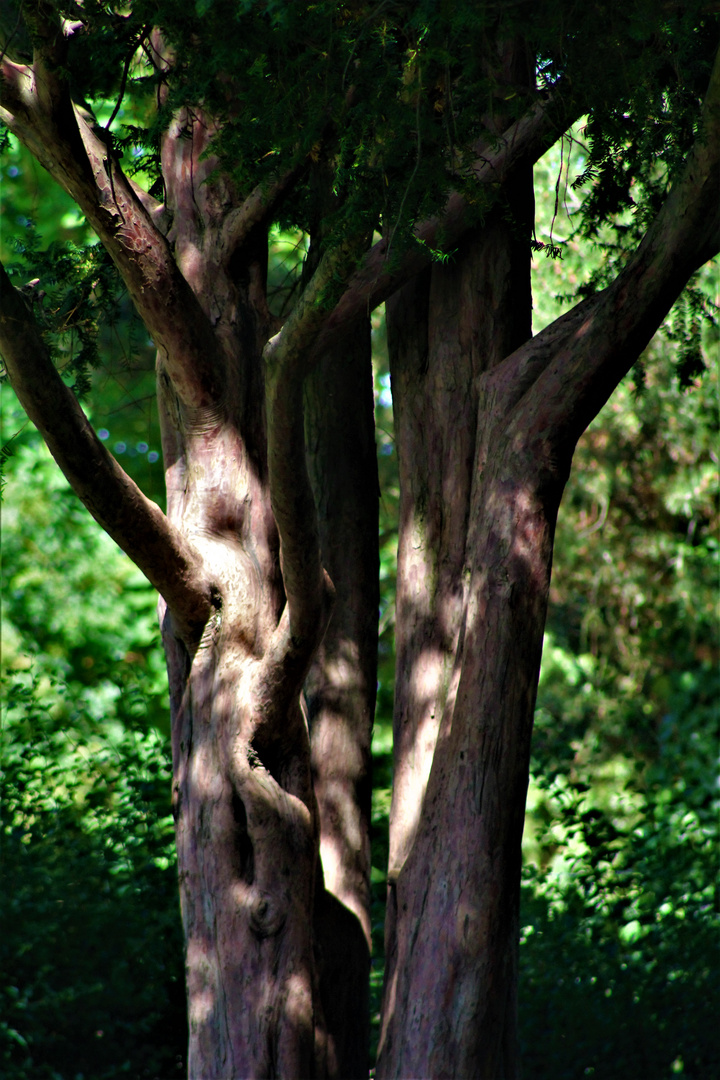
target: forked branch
<point>568,372</point>
<point>135,523</point>
<point>257,209</point>
<point>524,143</point>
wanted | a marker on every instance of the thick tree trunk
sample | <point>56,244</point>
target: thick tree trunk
<point>271,953</point>
<point>450,993</point>
<point>246,838</point>
<point>444,331</point>
<point>246,819</point>
<point>277,966</point>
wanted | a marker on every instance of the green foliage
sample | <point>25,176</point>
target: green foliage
<point>387,95</point>
<point>620,949</point>
<point>370,103</point>
<point>382,740</point>
<point>74,607</point>
<point>31,200</point>
<point>620,898</point>
<point>95,337</point>
<point>91,973</point>
<point>71,288</point>
<point>634,590</point>
<point>594,243</point>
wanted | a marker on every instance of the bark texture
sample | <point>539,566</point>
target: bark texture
<point>473,313</point>
<point>268,450</point>
<point>449,1006</point>
<point>245,812</point>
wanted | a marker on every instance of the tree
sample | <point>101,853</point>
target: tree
<point>422,122</point>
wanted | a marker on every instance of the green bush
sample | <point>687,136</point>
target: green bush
<point>91,976</point>
<point>620,946</point>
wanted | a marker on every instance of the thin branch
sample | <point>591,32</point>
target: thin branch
<point>156,210</point>
<point>126,68</point>
<point>257,208</point>
<point>10,44</point>
<point>136,524</point>
<point>554,384</point>
<point>262,203</point>
<point>602,337</point>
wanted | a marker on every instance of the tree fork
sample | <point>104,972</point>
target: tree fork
<point>533,407</point>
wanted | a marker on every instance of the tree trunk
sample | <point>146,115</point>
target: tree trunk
<point>444,330</point>
<point>246,838</point>
<point>245,813</point>
<point>341,686</point>
<point>246,820</point>
<point>450,995</point>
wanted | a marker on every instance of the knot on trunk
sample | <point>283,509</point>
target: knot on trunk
<point>267,916</point>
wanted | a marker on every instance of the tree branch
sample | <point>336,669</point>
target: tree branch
<point>313,326</point>
<point>256,209</point>
<point>597,342</point>
<point>523,143</point>
<point>37,109</point>
<point>288,358</point>
<point>135,523</point>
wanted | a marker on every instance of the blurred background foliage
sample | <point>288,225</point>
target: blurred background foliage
<point>621,912</point>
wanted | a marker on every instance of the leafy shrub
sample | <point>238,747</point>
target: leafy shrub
<point>621,941</point>
<point>91,978</point>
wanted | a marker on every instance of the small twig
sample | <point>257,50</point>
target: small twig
<point>126,69</point>
<point>557,189</point>
<point>13,32</point>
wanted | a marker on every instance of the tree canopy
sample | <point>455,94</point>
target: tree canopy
<point>345,119</point>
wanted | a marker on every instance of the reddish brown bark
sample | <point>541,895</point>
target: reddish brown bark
<point>485,441</point>
<point>472,314</point>
<point>246,813</point>
<point>452,967</point>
